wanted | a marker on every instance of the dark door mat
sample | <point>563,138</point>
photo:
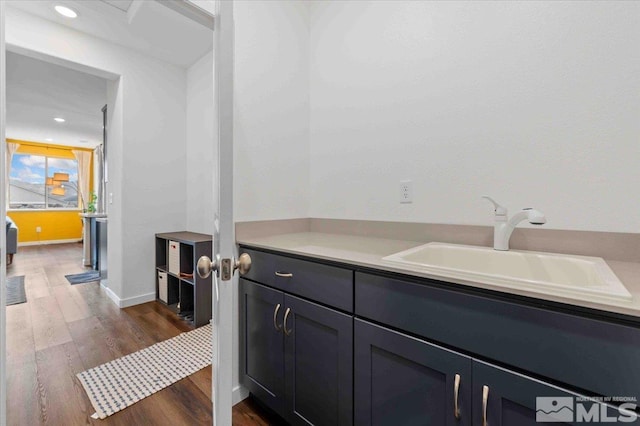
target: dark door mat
<point>15,290</point>
<point>85,277</point>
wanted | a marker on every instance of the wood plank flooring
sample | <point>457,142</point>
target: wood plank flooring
<point>64,329</point>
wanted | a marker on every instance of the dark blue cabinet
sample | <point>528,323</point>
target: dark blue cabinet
<point>417,351</point>
<point>505,398</point>
<point>330,285</point>
<point>403,380</point>
<point>400,380</point>
<point>586,353</point>
<point>318,364</point>
<point>298,356</point>
<point>263,366</point>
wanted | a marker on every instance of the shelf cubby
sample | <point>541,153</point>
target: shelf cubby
<point>188,296</point>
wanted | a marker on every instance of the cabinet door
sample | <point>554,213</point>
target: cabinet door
<point>513,399</point>
<point>400,380</point>
<point>263,344</point>
<point>318,365</point>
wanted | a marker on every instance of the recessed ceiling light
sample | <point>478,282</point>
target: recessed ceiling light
<point>49,140</point>
<point>60,120</point>
<point>65,11</point>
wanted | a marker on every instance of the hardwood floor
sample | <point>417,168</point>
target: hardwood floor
<point>65,329</point>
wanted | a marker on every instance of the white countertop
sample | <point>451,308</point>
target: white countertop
<point>368,252</point>
<point>98,215</point>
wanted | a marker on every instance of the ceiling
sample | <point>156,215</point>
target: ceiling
<point>123,5</point>
<point>142,25</point>
<point>39,91</point>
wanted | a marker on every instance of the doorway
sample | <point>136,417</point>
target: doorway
<point>150,73</point>
<point>54,165</point>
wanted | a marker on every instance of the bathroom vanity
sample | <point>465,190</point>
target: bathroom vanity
<point>331,334</point>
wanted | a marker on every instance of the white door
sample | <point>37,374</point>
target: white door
<point>223,264</point>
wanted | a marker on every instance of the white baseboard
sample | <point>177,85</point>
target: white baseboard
<point>47,242</point>
<point>240,393</point>
<point>136,300</point>
<point>129,301</point>
<point>114,297</point>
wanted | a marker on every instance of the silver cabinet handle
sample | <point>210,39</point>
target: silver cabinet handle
<point>275,318</point>
<point>485,401</point>
<point>456,389</point>
<point>284,274</point>
<point>284,322</point>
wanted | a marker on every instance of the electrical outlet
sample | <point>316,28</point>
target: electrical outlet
<point>38,229</point>
<point>406,192</point>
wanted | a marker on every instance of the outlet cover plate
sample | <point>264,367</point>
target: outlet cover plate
<point>406,192</point>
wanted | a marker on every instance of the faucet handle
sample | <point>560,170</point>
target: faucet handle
<point>500,210</point>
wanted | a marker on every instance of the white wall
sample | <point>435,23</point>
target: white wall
<point>533,103</point>
<point>115,228</point>
<point>147,157</point>
<point>271,118</point>
<point>271,112</point>
<point>201,152</point>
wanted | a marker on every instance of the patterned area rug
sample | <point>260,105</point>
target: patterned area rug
<point>15,290</point>
<point>114,386</point>
<point>84,277</point>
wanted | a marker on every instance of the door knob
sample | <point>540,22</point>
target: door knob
<point>243,263</point>
<point>205,266</point>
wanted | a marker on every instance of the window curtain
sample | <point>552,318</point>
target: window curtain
<point>11,149</point>
<point>84,167</point>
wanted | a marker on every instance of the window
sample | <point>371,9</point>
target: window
<point>28,187</point>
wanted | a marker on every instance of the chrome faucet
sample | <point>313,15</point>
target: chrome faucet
<point>503,226</point>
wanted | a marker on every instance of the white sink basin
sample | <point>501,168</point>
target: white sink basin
<point>582,277</point>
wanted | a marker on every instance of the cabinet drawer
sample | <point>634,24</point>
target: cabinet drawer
<point>262,266</point>
<point>330,285</point>
<point>326,284</point>
<point>586,353</point>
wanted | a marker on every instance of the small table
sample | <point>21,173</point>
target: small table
<point>90,239</point>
